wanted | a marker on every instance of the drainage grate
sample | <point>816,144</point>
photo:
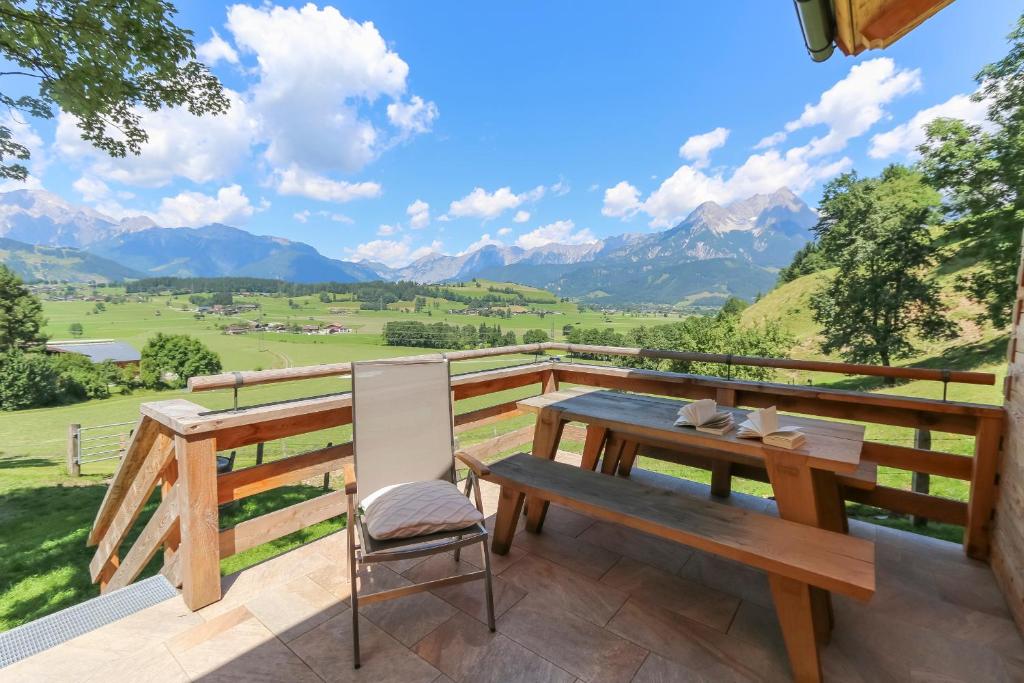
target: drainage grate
<point>60,627</point>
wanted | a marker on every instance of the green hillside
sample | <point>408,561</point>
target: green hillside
<point>33,263</point>
<point>977,346</point>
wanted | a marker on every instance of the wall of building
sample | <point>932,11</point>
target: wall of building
<point>1008,531</point>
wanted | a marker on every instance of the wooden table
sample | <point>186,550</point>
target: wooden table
<point>804,480</point>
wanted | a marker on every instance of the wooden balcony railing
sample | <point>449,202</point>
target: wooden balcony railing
<point>176,441</point>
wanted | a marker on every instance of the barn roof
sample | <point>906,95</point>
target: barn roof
<point>98,350</point>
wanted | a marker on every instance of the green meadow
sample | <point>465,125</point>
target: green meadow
<point>46,514</point>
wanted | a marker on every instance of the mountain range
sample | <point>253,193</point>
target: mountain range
<point>715,252</point>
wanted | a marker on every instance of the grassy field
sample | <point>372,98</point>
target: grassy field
<point>45,514</point>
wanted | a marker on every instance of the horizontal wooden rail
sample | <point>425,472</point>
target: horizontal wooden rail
<point>249,481</point>
<point>274,525</point>
<point>954,376</point>
<point>250,378</point>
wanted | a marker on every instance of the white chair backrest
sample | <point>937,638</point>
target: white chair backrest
<point>401,422</point>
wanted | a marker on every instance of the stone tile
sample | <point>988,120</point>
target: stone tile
<point>327,649</point>
<point>729,577</point>
<point>564,589</point>
<point>212,628</point>
<point>247,651</point>
<point>757,624</point>
<point>572,553</point>
<point>152,665</point>
<point>642,547</point>
<point>650,585</point>
<point>657,669</point>
<point>469,597</point>
<point>466,651</point>
<point>570,642</point>
<point>711,653</point>
<point>565,521</point>
<point>293,608</point>
<point>499,563</point>
<point>407,618</point>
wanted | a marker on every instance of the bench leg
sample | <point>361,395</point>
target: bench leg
<point>793,605</point>
<point>721,478</point>
<point>592,446</point>
<point>510,506</point>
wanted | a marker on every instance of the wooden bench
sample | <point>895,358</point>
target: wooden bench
<point>798,559</point>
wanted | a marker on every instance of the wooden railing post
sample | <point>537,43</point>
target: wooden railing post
<point>920,482</point>
<point>168,479</point>
<point>199,561</point>
<point>74,434</point>
<point>980,508</point>
<point>721,470</point>
<point>549,383</point>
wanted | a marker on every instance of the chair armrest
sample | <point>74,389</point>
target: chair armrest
<point>479,469</point>
<point>349,470</point>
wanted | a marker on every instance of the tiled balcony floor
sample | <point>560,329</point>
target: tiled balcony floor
<point>585,600</point>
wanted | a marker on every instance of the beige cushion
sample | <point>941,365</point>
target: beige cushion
<point>418,508</point>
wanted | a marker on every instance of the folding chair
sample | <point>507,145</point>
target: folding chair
<point>404,463</point>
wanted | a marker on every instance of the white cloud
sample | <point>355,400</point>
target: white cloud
<point>622,200</point>
<point>384,230</point>
<point>179,145</point>
<point>502,232</point>
<point>771,140</point>
<point>856,103</point>
<point>416,117</point>
<point>419,214</point>
<point>216,49</point>
<point>301,216</point>
<point>904,138</point>
<point>296,181</point>
<point>848,109</point>
<point>193,209</point>
<point>486,205</point>
<point>560,188</point>
<point>485,240</point>
<point>393,253</point>
<point>521,216</point>
<point>317,71</point>
<point>559,231</point>
<point>698,148</point>
<point>91,189</point>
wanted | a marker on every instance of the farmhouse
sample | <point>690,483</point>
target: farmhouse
<point>98,350</point>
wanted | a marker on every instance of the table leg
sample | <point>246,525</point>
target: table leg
<point>592,446</point>
<point>510,506</point>
<point>612,453</point>
<point>627,458</point>
<point>809,497</point>
<point>545,445</point>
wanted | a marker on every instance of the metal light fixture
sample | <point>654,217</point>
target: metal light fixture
<point>818,26</point>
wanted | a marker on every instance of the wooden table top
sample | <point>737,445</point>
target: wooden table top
<point>834,446</point>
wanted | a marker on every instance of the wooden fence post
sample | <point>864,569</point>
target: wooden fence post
<point>200,544</point>
<point>981,506</point>
<point>920,482</point>
<point>74,437</point>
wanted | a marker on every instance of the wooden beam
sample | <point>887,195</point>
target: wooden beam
<point>259,478</point>
<point>274,525</point>
<point>987,447</point>
<point>157,529</point>
<point>894,20</point>
<point>910,503</point>
<point>199,549</point>
<point>483,416</point>
<point>138,450</point>
<point>919,460</point>
<point>133,499</point>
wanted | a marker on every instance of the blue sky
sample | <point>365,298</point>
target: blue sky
<point>386,129</point>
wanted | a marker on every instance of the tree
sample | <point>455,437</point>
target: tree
<point>171,359</point>
<point>27,380</point>
<point>76,329</point>
<point>535,337</point>
<point>732,307</point>
<point>21,314</point>
<point>982,175</point>
<point>102,62</point>
<point>806,260</point>
<point>876,232</point>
